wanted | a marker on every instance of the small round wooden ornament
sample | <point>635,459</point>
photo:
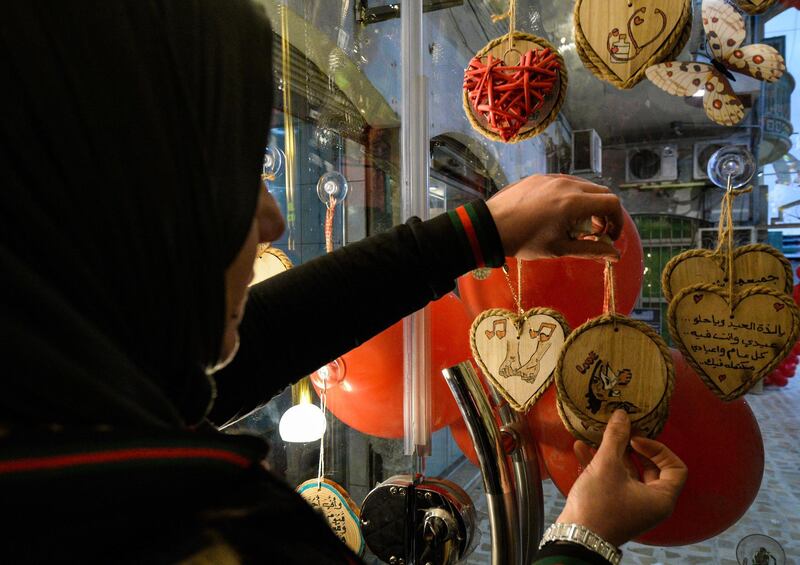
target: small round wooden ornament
<point>613,362</point>
<point>754,7</point>
<point>514,87</point>
<point>269,262</point>
<point>610,363</point>
<point>617,40</point>
<point>340,512</point>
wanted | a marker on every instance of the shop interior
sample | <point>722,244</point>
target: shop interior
<point>371,106</point>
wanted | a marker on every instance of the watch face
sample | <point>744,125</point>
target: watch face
<point>758,549</point>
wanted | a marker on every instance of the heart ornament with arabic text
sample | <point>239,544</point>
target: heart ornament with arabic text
<point>733,348</point>
<point>514,90</point>
<point>755,264</point>
<point>518,354</point>
<point>617,40</point>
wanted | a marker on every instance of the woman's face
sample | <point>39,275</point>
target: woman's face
<point>267,226</point>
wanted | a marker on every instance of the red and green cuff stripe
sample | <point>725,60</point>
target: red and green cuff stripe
<point>477,232</point>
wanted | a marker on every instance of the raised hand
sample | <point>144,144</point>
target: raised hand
<point>610,498</point>
<point>538,216</point>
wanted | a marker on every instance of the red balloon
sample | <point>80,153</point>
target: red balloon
<point>796,349</point>
<point>720,443</point>
<point>796,294</point>
<point>574,287</point>
<point>779,381</point>
<point>366,389</point>
<point>785,371</point>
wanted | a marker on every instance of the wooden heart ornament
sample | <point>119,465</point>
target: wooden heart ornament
<point>518,354</point>
<point>514,93</point>
<point>756,264</point>
<point>754,7</point>
<point>733,348</point>
<point>618,39</point>
<point>610,363</point>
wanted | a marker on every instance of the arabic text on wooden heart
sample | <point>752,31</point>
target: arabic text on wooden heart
<point>733,348</point>
<point>518,354</point>
<point>618,40</point>
<point>755,264</point>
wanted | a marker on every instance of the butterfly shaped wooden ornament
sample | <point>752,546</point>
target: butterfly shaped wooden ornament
<point>725,33</point>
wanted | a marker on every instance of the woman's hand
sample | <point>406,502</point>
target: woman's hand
<point>609,498</point>
<point>538,217</point>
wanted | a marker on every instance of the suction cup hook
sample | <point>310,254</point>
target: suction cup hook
<point>758,548</point>
<point>332,184</point>
<point>273,163</point>
<point>733,162</point>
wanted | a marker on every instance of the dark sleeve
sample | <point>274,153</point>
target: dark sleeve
<point>302,319</point>
<point>566,553</point>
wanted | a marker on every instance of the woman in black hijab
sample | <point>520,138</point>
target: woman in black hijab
<point>132,137</point>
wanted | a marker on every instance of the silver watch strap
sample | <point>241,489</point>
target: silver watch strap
<point>581,535</point>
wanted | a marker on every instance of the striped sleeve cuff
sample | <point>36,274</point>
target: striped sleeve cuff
<point>477,232</point>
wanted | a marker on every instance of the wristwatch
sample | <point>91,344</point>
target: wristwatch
<point>581,535</point>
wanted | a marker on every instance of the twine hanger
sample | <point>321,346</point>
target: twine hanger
<point>517,296</point>
<point>610,293</point>
<point>725,243</point>
<point>511,15</point>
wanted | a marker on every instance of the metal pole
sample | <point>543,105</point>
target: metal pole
<point>415,156</point>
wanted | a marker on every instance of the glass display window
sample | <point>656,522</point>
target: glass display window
<point>339,109</point>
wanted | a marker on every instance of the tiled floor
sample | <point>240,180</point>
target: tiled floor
<point>775,512</point>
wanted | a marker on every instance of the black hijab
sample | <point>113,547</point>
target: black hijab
<point>130,149</point>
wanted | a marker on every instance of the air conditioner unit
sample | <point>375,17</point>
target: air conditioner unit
<point>703,150</point>
<point>587,153</point>
<point>652,163</point>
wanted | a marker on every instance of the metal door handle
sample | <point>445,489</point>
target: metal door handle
<point>513,487</point>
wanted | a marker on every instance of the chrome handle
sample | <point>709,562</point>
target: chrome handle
<point>497,477</point>
<point>528,483</point>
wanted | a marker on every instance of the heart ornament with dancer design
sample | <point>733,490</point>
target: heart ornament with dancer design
<point>518,353</point>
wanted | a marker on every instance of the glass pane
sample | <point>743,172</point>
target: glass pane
<point>338,67</point>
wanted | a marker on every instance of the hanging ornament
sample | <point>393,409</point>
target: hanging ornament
<point>609,363</point>
<point>324,495</point>
<point>618,40</point>
<point>725,33</point>
<point>732,334</point>
<point>337,508</point>
<point>755,264</point>
<point>332,189</point>
<point>515,86</point>
<point>269,262</point>
<point>754,7</point>
<point>518,351</point>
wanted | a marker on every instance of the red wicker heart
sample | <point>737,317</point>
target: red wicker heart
<point>508,95</point>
